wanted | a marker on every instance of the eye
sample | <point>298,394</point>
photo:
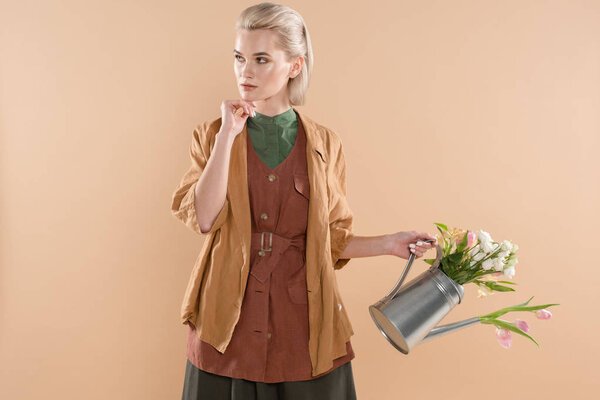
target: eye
<point>258,58</point>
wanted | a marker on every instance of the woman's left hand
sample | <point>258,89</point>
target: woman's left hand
<point>402,244</point>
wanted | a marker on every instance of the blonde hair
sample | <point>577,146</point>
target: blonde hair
<point>293,39</point>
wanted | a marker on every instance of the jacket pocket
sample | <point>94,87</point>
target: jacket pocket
<point>302,185</point>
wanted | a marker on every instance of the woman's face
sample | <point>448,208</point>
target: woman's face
<point>268,70</point>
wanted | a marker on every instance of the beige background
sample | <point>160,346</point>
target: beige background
<point>478,114</point>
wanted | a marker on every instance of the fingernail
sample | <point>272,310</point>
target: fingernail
<point>419,243</point>
<point>412,245</point>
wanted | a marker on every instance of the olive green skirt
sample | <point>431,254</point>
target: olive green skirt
<point>201,385</point>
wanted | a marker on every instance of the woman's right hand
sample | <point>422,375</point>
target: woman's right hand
<point>401,244</point>
<point>231,122</point>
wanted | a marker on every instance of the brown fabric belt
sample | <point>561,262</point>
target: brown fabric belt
<point>272,246</point>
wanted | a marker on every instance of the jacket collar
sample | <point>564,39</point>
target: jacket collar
<point>237,185</point>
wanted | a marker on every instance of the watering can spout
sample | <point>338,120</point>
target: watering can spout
<point>444,329</point>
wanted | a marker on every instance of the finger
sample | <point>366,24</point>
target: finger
<point>416,252</point>
<point>251,105</point>
<point>423,245</point>
<point>426,245</point>
<point>427,236</point>
<point>238,112</point>
<point>243,106</point>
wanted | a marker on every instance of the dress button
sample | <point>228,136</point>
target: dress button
<point>264,216</point>
<point>261,253</point>
<point>272,177</point>
<point>269,335</point>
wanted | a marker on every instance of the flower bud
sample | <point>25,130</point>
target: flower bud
<point>522,325</point>
<point>543,314</point>
<point>504,338</point>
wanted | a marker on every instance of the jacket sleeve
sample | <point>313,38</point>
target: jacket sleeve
<point>340,214</point>
<point>182,201</point>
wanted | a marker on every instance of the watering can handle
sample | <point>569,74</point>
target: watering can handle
<point>411,258</point>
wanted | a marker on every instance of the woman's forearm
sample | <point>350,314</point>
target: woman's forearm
<point>367,246</point>
<point>212,185</point>
<point>400,244</point>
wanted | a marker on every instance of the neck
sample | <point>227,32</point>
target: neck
<point>266,108</point>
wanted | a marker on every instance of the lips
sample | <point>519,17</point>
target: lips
<point>248,85</point>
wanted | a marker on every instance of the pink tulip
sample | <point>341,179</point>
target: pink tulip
<point>504,338</point>
<point>543,314</point>
<point>471,236</point>
<point>522,325</point>
<point>498,273</point>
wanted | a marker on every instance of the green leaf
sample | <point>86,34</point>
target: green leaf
<point>519,307</point>
<point>463,243</point>
<point>510,283</point>
<point>461,276</point>
<point>509,326</point>
<point>429,261</point>
<point>499,288</point>
<point>527,302</point>
<point>443,237</point>
<point>444,227</point>
<point>455,258</point>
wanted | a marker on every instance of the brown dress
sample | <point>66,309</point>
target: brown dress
<point>270,339</point>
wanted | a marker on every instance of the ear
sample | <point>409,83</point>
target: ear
<point>297,66</point>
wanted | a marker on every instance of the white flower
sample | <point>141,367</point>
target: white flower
<point>476,257</point>
<point>484,236</point>
<point>509,272</point>
<point>498,263</point>
<point>487,264</point>
<point>514,248</point>
<point>506,246</point>
<point>512,261</point>
<point>485,241</point>
<point>503,254</point>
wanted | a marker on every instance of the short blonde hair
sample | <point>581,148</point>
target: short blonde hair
<point>293,38</point>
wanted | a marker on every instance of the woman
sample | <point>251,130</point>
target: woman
<point>267,189</point>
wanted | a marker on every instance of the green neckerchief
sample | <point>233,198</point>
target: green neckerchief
<point>273,137</point>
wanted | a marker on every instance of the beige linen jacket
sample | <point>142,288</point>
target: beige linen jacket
<point>215,290</point>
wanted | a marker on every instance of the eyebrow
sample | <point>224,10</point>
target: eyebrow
<point>255,54</point>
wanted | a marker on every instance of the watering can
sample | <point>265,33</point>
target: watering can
<point>408,314</point>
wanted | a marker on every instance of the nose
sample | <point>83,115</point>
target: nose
<point>246,73</point>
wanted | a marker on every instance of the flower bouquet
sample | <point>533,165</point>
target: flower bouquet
<point>470,257</point>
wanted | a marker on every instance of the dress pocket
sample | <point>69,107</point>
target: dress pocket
<point>302,185</point>
<point>298,293</point>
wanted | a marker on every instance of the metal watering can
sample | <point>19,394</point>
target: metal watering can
<point>408,316</point>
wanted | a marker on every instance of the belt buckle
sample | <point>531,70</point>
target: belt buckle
<point>262,250</point>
